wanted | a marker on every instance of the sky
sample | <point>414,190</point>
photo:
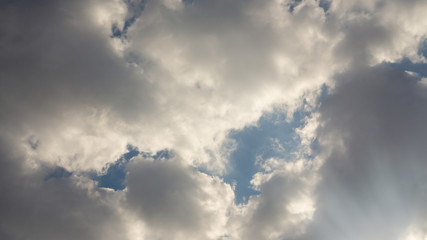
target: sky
<point>213,119</point>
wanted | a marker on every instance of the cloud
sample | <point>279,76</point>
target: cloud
<point>65,207</point>
<point>82,80</point>
<point>285,205</point>
<point>60,82</point>
<point>167,195</point>
<point>179,69</point>
<point>372,137</point>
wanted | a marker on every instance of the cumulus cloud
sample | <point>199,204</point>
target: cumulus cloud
<point>372,135</point>
<point>80,81</point>
<point>65,207</point>
<point>285,205</point>
<point>168,195</point>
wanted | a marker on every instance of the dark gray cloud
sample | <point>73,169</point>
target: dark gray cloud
<point>54,61</point>
<point>165,194</point>
<point>373,182</point>
<point>60,73</point>
<point>362,38</point>
<point>55,57</point>
<point>175,201</point>
<point>35,207</point>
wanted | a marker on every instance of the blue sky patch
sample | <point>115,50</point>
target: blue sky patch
<point>116,172</point>
<point>325,4</point>
<point>292,4</point>
<point>115,176</point>
<point>407,65</point>
<point>272,137</point>
<point>135,9</point>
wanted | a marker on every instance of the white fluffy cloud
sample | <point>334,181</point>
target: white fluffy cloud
<point>285,206</point>
<point>80,80</point>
